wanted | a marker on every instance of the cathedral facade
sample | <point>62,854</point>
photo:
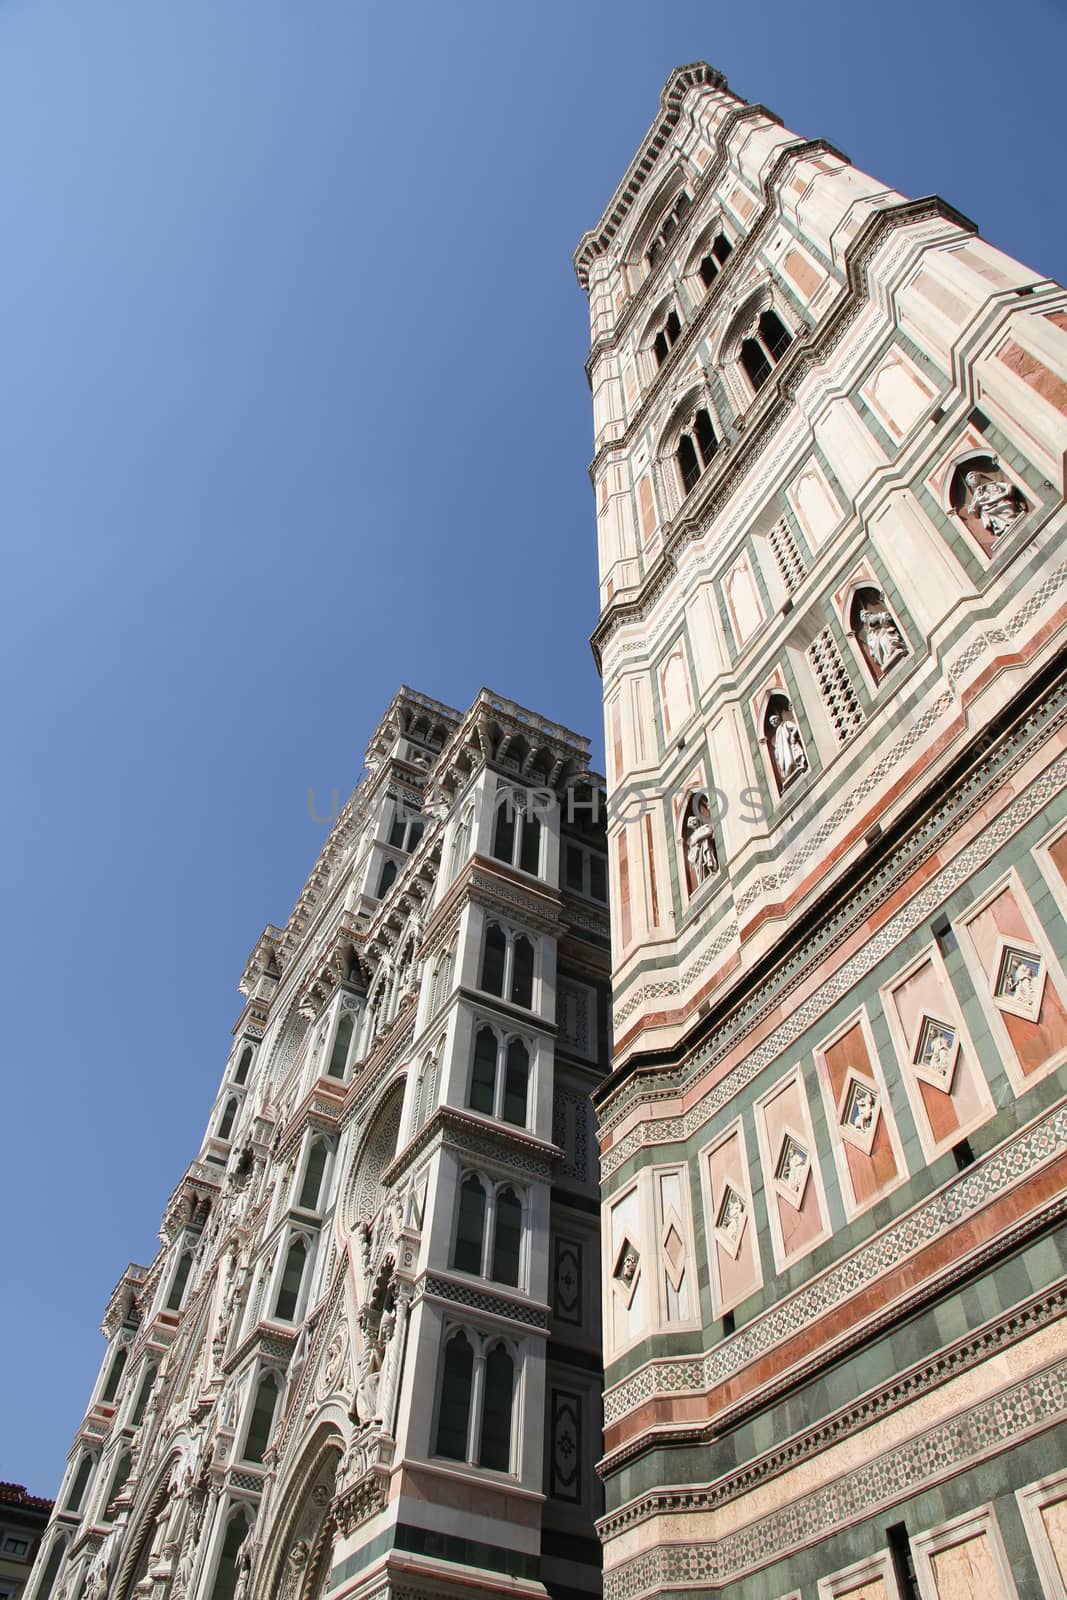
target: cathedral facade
<point>366,1359</point>
<point>830,435</point>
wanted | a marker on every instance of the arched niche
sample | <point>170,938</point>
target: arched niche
<point>297,1550</point>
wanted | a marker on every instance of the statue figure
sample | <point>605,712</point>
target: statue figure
<point>370,1375</point>
<point>700,850</point>
<point>787,747</point>
<point>733,1217</point>
<point>938,1055</point>
<point>863,1108</point>
<point>884,641</point>
<point>1021,982</point>
<point>795,1168</point>
<point>628,1268</point>
<point>995,501</point>
<point>242,1563</point>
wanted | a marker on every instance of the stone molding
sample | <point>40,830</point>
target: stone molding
<point>996,1174</point>
<point>1027,1408</point>
<point>967,797</point>
<point>987,1341</point>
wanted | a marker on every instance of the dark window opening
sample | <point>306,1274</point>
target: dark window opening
<point>453,1417</point>
<point>495,1448</point>
<point>483,1072</point>
<point>262,1423</point>
<point>755,363</point>
<point>522,975</point>
<point>342,1041</point>
<point>516,1082</point>
<point>507,1238</point>
<point>470,1226</point>
<point>493,960</point>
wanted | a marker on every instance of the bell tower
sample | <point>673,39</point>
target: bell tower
<point>829,445</point>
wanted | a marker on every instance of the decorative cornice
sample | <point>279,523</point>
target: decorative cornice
<point>681,80</point>
<point>934,1218</point>
<point>993,1336</point>
<point>901,1472</point>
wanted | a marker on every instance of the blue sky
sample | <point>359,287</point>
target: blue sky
<point>292,410</point>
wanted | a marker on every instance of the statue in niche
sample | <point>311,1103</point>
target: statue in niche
<point>242,1562</point>
<point>876,632</point>
<point>995,501</point>
<point>785,743</point>
<point>1022,979</point>
<point>699,839</point>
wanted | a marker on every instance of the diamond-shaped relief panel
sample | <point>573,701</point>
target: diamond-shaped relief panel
<point>731,1219</point>
<point>627,1263</point>
<point>674,1249</point>
<point>1020,981</point>
<point>936,1052</point>
<point>791,1169</point>
<point>859,1112</point>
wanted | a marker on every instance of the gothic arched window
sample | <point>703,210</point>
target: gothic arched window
<point>179,1281</point>
<point>314,1169</point>
<point>241,1070</point>
<point>261,1422</point>
<point>228,1118</point>
<point>342,1044</point>
<point>143,1394</point>
<point>507,1237</point>
<point>226,1572</point>
<point>764,348</point>
<point>498,1396</point>
<point>79,1484</point>
<point>493,959</point>
<point>713,259</point>
<point>470,1226</point>
<point>696,447</point>
<point>387,879</point>
<point>114,1376</point>
<point>500,1077</point>
<point>453,1418</point>
<point>522,972</point>
<point>288,1296</point>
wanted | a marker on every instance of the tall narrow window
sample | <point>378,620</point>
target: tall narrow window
<point>229,1117</point>
<point>453,1418</point>
<point>313,1172</point>
<point>114,1377</point>
<point>504,829</point>
<point>516,1081</point>
<point>461,846</point>
<point>495,1448</point>
<point>493,960</point>
<point>292,1277</point>
<point>764,348</point>
<point>483,1072</point>
<point>709,267</point>
<point>51,1569</point>
<point>666,337</point>
<point>507,1238</point>
<point>118,1481</point>
<point>387,879</point>
<point>470,1226</point>
<point>180,1279</point>
<point>261,1423</point>
<point>755,362</point>
<point>225,1583</point>
<point>77,1488</point>
<point>241,1072</point>
<point>697,445</point>
<point>522,972</point>
<point>342,1041</point>
<point>530,847</point>
<point>143,1394</point>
